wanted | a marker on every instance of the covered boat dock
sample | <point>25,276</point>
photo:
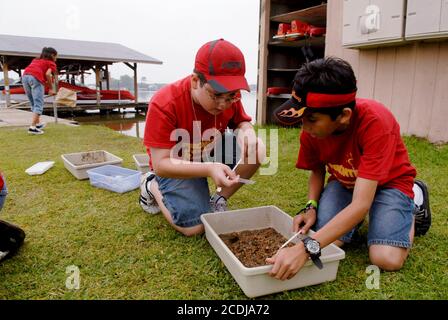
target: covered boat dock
<point>75,58</point>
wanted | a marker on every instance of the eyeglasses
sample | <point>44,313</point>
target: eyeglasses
<point>231,98</point>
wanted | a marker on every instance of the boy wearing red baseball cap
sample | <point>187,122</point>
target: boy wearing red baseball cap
<point>358,142</point>
<point>184,125</point>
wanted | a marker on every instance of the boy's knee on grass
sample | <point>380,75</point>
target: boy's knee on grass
<point>388,258</point>
<point>191,231</point>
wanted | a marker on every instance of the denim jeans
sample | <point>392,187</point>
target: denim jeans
<point>390,216</point>
<point>35,93</point>
<point>188,199</point>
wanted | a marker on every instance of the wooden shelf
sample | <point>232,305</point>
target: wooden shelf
<point>315,41</point>
<point>281,57</point>
<point>279,96</point>
<point>317,16</point>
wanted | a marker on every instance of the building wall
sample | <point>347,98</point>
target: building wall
<point>411,80</point>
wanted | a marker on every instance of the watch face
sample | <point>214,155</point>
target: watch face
<point>313,246</point>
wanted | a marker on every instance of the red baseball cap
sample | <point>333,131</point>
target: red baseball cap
<point>222,65</point>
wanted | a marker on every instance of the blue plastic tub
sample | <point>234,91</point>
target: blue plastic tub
<point>114,178</point>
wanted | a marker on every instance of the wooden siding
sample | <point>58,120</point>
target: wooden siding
<point>411,80</point>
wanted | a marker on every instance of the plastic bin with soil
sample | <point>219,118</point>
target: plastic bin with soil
<point>252,247</point>
<point>78,163</point>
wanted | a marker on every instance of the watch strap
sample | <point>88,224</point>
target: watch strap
<point>314,257</point>
<point>317,262</point>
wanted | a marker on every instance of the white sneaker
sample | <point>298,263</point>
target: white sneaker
<point>35,131</point>
<point>40,126</point>
<point>218,203</point>
<point>3,254</point>
<point>147,200</point>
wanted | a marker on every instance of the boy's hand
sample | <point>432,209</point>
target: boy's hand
<point>306,219</point>
<point>222,175</point>
<point>288,261</point>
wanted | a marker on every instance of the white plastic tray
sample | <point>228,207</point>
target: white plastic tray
<point>78,163</point>
<point>114,178</point>
<point>141,162</point>
<point>39,168</point>
<point>255,281</point>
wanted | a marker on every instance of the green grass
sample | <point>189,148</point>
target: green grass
<point>123,253</point>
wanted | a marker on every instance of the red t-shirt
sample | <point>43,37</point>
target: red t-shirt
<point>172,108</point>
<point>38,68</point>
<point>370,148</point>
<point>1,181</point>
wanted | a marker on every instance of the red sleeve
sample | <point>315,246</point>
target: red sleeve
<point>239,116</point>
<point>378,138</point>
<point>52,66</point>
<point>377,156</point>
<point>308,158</point>
<point>1,181</point>
<point>160,122</point>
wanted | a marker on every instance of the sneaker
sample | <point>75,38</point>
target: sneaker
<point>40,126</point>
<point>3,254</point>
<point>147,200</point>
<point>218,203</point>
<point>11,239</point>
<point>422,212</point>
<point>35,131</point>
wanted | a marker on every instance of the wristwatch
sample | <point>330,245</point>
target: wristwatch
<point>312,246</point>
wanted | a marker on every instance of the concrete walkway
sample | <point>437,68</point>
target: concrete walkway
<point>19,118</point>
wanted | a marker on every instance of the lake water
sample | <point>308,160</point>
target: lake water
<point>133,124</point>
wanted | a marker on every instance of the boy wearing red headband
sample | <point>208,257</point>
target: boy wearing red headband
<point>186,119</point>
<point>358,142</point>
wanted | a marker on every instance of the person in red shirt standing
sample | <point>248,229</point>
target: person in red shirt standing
<point>358,142</point>
<point>185,124</point>
<point>39,72</point>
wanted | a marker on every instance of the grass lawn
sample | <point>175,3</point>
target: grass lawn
<point>123,253</point>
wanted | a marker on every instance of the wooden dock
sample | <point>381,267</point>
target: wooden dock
<point>48,107</point>
<point>19,118</point>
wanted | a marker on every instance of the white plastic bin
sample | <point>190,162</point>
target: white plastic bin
<point>114,178</point>
<point>78,163</point>
<point>255,281</point>
<point>141,162</point>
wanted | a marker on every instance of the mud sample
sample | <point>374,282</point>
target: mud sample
<point>252,247</point>
<point>93,157</point>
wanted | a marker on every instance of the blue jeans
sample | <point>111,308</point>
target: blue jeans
<point>185,199</point>
<point>35,93</point>
<point>390,216</point>
<point>3,194</point>
<point>188,199</point>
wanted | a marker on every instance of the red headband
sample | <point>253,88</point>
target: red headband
<point>324,100</point>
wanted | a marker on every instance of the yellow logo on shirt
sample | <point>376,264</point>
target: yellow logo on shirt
<point>345,173</point>
<point>195,151</point>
